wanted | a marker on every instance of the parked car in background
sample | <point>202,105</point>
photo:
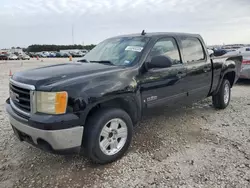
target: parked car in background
<point>41,54</point>
<point>219,52</point>
<point>80,54</point>
<point>31,54</point>
<point>65,54</point>
<point>93,105</point>
<point>62,54</point>
<point>245,68</point>
<point>77,54</point>
<point>84,52</point>
<point>12,57</point>
<point>3,57</point>
<point>47,54</point>
<point>58,54</point>
<point>52,54</point>
<point>24,57</point>
<point>245,52</point>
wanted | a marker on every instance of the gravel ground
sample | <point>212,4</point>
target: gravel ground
<point>195,146</point>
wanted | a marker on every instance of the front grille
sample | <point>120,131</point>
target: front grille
<point>20,97</point>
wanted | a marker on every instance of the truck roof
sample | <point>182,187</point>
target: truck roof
<point>153,34</point>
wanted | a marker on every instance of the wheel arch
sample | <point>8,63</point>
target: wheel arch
<point>129,104</point>
<point>230,76</point>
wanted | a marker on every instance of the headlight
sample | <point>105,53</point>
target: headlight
<point>51,102</point>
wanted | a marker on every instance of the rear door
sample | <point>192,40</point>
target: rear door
<point>199,68</point>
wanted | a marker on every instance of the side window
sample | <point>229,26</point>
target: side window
<point>192,50</point>
<point>167,47</point>
<point>248,49</point>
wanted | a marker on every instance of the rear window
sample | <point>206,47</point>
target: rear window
<point>192,50</point>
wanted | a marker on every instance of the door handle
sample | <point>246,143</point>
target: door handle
<point>181,74</point>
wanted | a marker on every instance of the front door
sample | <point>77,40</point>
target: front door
<point>164,86</point>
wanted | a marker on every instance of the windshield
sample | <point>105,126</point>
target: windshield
<point>124,51</point>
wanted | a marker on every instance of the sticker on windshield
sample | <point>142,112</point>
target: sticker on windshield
<point>134,48</point>
<point>126,62</point>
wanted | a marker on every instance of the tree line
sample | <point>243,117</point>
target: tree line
<point>46,47</point>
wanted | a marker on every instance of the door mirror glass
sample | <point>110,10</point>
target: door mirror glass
<point>160,61</point>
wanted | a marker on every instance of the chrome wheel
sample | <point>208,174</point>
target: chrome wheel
<point>226,93</point>
<point>113,136</point>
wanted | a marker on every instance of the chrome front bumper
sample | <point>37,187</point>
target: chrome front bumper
<point>64,139</point>
<point>49,138</point>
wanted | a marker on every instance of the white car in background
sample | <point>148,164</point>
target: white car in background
<point>245,52</point>
<point>245,68</point>
<point>12,57</point>
<point>24,57</point>
<point>210,52</point>
<point>84,52</point>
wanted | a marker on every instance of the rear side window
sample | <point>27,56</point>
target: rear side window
<point>248,49</point>
<point>167,47</point>
<point>192,50</point>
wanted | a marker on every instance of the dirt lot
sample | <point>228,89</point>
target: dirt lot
<point>195,146</point>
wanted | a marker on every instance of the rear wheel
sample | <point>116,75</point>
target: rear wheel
<point>107,135</point>
<point>222,98</point>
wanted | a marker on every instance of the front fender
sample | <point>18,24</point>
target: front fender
<point>130,102</point>
<point>100,90</point>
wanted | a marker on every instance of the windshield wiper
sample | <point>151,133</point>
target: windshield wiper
<point>103,62</point>
<point>83,60</point>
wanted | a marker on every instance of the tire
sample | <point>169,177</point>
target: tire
<point>93,139</point>
<point>222,99</point>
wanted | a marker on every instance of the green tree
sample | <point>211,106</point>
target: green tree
<point>46,47</point>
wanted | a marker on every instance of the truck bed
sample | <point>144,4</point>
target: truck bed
<point>237,59</point>
<point>221,64</point>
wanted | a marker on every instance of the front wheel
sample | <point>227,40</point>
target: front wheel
<point>107,135</point>
<point>222,98</point>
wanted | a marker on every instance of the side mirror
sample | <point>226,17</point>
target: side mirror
<point>160,61</point>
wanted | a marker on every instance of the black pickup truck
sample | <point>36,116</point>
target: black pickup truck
<point>92,105</point>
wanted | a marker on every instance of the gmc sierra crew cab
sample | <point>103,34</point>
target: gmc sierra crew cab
<point>91,106</point>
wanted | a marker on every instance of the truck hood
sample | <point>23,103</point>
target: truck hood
<point>48,75</point>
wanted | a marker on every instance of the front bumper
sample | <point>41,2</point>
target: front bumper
<point>55,141</point>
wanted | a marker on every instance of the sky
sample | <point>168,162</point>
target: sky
<point>26,22</point>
